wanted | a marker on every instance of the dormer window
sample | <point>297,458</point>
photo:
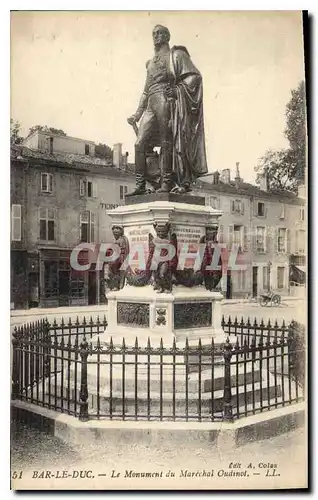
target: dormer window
<point>237,207</point>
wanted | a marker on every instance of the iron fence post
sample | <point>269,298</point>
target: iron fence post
<point>227,394</point>
<point>296,352</point>
<point>83,414</point>
<point>46,350</point>
<point>15,368</point>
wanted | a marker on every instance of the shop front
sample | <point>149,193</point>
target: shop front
<point>60,284</point>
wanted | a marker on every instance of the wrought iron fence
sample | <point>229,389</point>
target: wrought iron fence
<point>65,367</point>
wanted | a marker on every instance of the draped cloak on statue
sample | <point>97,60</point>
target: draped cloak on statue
<point>189,155</point>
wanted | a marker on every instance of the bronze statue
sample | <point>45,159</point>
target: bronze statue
<point>171,113</point>
<point>163,274</point>
<point>211,277</point>
<point>116,277</point>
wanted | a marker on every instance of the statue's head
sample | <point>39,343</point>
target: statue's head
<point>162,230</point>
<point>211,232</point>
<point>117,231</point>
<point>160,35</point>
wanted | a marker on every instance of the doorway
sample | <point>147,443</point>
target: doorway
<point>228,285</point>
<point>255,277</point>
<point>92,287</point>
<point>33,289</point>
<point>64,287</point>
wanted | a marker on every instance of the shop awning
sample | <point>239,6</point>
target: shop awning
<point>298,274</point>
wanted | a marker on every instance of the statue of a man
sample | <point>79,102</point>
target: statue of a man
<point>171,113</point>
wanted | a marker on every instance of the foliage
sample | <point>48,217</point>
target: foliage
<point>45,128</point>
<point>103,151</point>
<point>285,168</point>
<point>15,128</point>
<point>279,167</point>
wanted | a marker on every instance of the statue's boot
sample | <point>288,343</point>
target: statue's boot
<point>140,162</point>
<point>167,179</point>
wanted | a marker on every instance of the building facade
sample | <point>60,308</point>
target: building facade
<point>269,229</point>
<point>59,200</point>
<point>60,195</point>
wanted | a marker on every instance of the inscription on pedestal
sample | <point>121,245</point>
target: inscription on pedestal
<point>192,315</point>
<point>129,313</point>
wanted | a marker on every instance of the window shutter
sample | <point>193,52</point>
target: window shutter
<point>50,182</point>
<point>220,233</point>
<point>92,227</point>
<point>16,223</point>
<point>266,239</point>
<point>245,239</point>
<point>232,206</point>
<point>242,208</point>
<point>288,243</point>
<point>231,231</point>
<point>276,233</point>
<point>82,187</point>
<point>94,189</point>
<point>43,182</point>
<point>254,238</point>
<point>295,242</point>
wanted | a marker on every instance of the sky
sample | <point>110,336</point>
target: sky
<point>84,72</point>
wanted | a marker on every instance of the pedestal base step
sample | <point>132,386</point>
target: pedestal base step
<point>119,403</point>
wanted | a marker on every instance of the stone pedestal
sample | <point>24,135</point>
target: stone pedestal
<point>185,312</point>
<point>188,309</point>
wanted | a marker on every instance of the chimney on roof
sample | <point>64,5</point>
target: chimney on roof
<point>125,159</point>
<point>263,185</point>
<point>237,178</point>
<point>117,155</point>
<point>216,177</point>
<point>226,176</point>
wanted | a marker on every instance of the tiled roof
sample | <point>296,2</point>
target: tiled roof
<point>81,162</point>
<point>247,189</point>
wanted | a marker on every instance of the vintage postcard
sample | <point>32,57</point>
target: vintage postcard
<point>158,250</point>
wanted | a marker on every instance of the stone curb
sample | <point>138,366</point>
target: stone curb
<point>60,311</point>
<point>224,435</point>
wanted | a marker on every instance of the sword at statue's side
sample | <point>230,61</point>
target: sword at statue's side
<point>134,126</point>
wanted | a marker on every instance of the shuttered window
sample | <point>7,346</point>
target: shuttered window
<point>46,183</point>
<point>87,226</point>
<point>16,226</point>
<point>282,243</point>
<point>88,188</point>
<point>47,224</point>
<point>280,277</point>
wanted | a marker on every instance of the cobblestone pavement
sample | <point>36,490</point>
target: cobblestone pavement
<point>33,450</point>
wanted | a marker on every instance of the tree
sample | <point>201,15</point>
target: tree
<point>15,128</point>
<point>103,151</point>
<point>296,130</point>
<point>285,168</point>
<point>45,128</point>
<point>278,167</point>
